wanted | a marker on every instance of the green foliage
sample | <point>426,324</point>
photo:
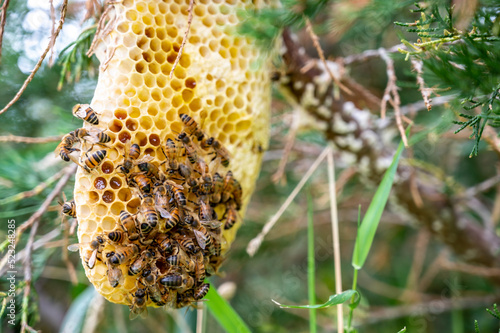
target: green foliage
<point>463,63</point>
<point>366,232</point>
<point>333,300</point>
<point>225,315</point>
<point>265,25</point>
<point>495,313</point>
<point>73,58</point>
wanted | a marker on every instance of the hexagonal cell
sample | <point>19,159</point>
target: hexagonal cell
<point>100,183</point>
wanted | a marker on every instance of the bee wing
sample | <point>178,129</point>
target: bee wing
<point>200,237</point>
<point>163,212</point>
<point>212,224</point>
<point>147,158</point>
<point>80,112</point>
<point>74,247</point>
<point>92,259</point>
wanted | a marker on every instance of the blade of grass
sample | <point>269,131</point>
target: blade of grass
<point>366,232</point>
<point>225,315</point>
<point>310,262</point>
<point>75,317</point>
<point>333,300</point>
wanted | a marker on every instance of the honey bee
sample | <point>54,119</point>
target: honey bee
<point>200,272</point>
<point>185,299</point>
<point>167,245</point>
<point>182,259</point>
<point>150,217</point>
<point>155,294</point>
<point>191,126</point>
<point>116,236</point>
<point>207,214</point>
<point>92,135</point>
<point>206,177</point>
<point>150,170</point>
<point>232,188</point>
<point>65,148</point>
<point>180,282</point>
<point>186,243</point>
<point>218,185</point>
<point>127,223</point>
<point>200,232</point>
<point>123,254</point>
<point>178,193</point>
<point>161,201</point>
<point>231,216</point>
<point>93,161</point>
<point>173,220</point>
<point>141,262</point>
<point>191,153</point>
<point>220,151</point>
<point>85,113</point>
<point>201,291</point>
<point>138,304</point>
<point>69,208</point>
<point>91,255</point>
<point>172,154</point>
<point>115,275</point>
<point>132,153</point>
<point>140,181</point>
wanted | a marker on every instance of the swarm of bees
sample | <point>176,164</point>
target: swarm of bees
<point>174,240</point>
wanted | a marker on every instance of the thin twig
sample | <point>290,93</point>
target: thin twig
<point>470,269</point>
<point>335,237</point>
<point>391,95</point>
<point>100,30</point>
<point>35,191</point>
<point>184,40</point>
<point>68,172</point>
<point>417,265</point>
<point>368,54</point>
<point>315,41</point>
<point>3,19</point>
<point>290,140</point>
<point>199,318</point>
<point>27,139</point>
<point>64,8</point>
<point>426,92</point>
<point>254,244</point>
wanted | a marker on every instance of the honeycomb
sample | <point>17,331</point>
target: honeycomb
<point>221,81</point>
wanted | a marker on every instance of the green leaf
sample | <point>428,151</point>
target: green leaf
<point>334,300</point>
<point>73,321</point>
<point>224,313</point>
<point>403,330</point>
<point>369,225</point>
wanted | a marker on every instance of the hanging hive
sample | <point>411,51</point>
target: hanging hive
<point>221,81</point>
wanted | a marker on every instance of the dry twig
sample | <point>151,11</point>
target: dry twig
<point>254,244</point>
<point>68,172</point>
<point>184,40</point>
<point>391,95</point>
<point>26,139</point>
<point>52,30</point>
<point>315,40</point>
<point>103,28</point>
<point>3,19</point>
<point>290,140</point>
<point>64,8</point>
<point>426,92</point>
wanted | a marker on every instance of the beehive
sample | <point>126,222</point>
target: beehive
<point>221,81</point>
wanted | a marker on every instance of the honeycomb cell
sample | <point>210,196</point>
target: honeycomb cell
<point>108,196</point>
<point>148,56</point>
<point>116,126</point>
<point>141,139</point>
<point>93,197</point>
<point>124,136</point>
<point>133,205</point>
<point>177,101</point>
<point>195,105</point>
<point>154,139</point>
<point>141,67</point>
<point>85,183</point>
<point>187,95</point>
<point>148,20</point>
<point>150,152</point>
<point>134,112</point>
<point>154,68</point>
<point>160,57</point>
<point>238,102</point>
<point>176,84</point>
<point>116,208</point>
<point>108,223</point>
<point>146,122</point>
<point>131,124</point>
<point>137,28</point>
<point>156,95</point>
<point>84,211</point>
<point>160,124</point>
<point>124,194</point>
<point>172,32</point>
<point>115,183</point>
<point>100,183</point>
<point>190,83</point>
<point>107,167</point>
<point>131,15</point>
<point>101,210</point>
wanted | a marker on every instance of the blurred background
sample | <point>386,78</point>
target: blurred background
<point>410,279</point>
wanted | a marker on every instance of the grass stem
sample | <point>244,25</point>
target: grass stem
<point>310,262</point>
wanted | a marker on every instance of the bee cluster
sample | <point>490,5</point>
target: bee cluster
<point>174,239</point>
